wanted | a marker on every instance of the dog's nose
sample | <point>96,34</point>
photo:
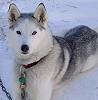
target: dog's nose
<point>24,48</point>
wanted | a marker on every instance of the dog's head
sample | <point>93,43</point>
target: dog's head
<point>29,36</point>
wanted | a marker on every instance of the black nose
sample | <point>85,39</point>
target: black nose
<point>24,48</point>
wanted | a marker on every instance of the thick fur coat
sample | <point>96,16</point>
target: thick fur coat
<point>59,58</point>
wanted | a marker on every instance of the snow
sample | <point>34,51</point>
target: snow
<point>63,15</point>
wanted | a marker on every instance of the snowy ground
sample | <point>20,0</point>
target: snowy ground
<point>63,14</point>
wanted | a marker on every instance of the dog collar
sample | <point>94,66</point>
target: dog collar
<point>31,64</point>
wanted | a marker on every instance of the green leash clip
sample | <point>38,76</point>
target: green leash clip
<point>22,80</point>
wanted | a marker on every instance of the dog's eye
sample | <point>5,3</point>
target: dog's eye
<point>34,33</point>
<point>18,32</point>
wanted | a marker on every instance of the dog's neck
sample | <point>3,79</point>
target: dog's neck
<point>31,64</point>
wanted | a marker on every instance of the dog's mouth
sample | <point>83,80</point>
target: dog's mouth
<point>24,53</point>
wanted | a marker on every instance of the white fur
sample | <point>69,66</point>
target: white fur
<point>38,44</point>
<point>90,63</point>
<point>40,78</point>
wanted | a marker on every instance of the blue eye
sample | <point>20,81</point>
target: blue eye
<point>34,33</point>
<point>18,32</point>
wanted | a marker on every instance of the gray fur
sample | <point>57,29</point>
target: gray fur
<point>81,43</point>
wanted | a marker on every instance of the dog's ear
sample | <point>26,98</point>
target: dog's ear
<point>40,14</point>
<point>13,13</point>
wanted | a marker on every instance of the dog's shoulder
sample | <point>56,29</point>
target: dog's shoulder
<point>62,42</point>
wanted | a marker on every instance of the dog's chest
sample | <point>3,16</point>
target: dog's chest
<point>38,77</point>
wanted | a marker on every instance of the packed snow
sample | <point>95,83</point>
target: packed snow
<point>63,15</point>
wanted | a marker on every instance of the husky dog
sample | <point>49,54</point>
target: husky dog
<point>48,60</point>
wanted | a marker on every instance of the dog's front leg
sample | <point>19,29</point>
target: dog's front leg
<point>15,90</point>
<point>40,91</point>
